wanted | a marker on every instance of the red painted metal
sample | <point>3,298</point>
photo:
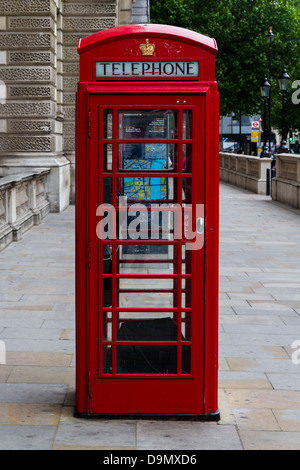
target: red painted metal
<point>187,390</point>
<point>165,33</point>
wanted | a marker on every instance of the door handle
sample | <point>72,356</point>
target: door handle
<point>200,225</point>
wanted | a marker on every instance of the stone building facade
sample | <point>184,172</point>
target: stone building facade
<point>39,70</point>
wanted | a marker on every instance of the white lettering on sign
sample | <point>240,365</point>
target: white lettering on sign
<point>147,69</point>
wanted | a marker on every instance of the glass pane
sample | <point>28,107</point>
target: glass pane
<point>186,359</point>
<point>107,123</point>
<point>154,188</point>
<point>139,359</point>
<point>107,157</point>
<point>106,227</point>
<point>107,326</point>
<point>107,258</point>
<point>107,359</point>
<point>186,326</point>
<point>147,299</point>
<point>106,269</point>
<point>142,316</point>
<point>107,292</point>
<point>158,223</point>
<point>186,295</point>
<point>187,190</point>
<point>147,259</point>
<point>107,190</point>
<point>186,261</point>
<point>148,124</point>
<point>147,157</point>
<point>144,284</point>
<point>187,158</point>
<point>141,329</point>
<point>187,124</point>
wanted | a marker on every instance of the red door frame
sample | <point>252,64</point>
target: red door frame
<point>87,258</point>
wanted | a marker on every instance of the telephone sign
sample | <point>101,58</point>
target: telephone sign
<point>147,69</point>
<point>147,145</point>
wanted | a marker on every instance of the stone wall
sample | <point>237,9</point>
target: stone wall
<point>79,19</point>
<point>23,203</point>
<point>244,171</point>
<point>31,127</point>
<point>286,184</point>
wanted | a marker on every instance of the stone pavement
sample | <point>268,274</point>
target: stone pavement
<point>259,322</point>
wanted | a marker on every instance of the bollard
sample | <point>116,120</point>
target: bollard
<point>268,182</point>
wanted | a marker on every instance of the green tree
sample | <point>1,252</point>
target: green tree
<point>240,27</point>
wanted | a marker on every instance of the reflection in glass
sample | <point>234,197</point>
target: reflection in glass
<point>187,190</point>
<point>187,124</point>
<point>187,158</point>
<point>186,261</point>
<point>150,359</point>
<point>107,326</point>
<point>107,359</point>
<point>107,269</point>
<point>186,325</point>
<point>143,284</point>
<point>107,123</point>
<point>147,259</point>
<point>186,295</point>
<point>148,300</point>
<point>143,188</point>
<point>147,156</point>
<point>186,359</point>
<point>139,359</point>
<point>154,329</point>
<point>142,316</point>
<point>107,292</point>
<point>142,222</point>
<point>148,124</point>
<point>107,157</point>
<point>107,258</point>
<point>107,190</point>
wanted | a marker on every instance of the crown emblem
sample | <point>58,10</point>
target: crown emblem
<point>147,49</point>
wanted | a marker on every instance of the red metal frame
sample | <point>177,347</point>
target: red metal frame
<point>193,394</point>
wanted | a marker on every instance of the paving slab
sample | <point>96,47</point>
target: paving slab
<point>255,380</point>
<point>31,333</point>
<point>256,420</point>
<point>285,381</point>
<point>39,345</point>
<point>18,414</point>
<point>97,433</point>
<point>152,435</point>
<point>288,420</point>
<point>258,399</point>
<point>26,437</point>
<point>254,364</point>
<point>270,440</point>
<point>33,393</point>
<point>42,375</point>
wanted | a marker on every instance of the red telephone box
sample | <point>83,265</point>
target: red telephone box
<point>147,224</point>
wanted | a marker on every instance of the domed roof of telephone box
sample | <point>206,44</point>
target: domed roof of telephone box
<point>159,31</point>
